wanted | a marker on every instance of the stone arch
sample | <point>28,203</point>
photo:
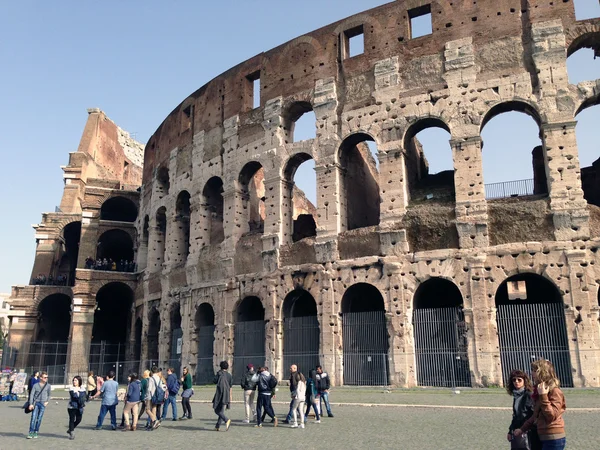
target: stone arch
<point>162,181</point>
<point>440,335</point>
<point>175,337</point>
<point>115,245</point>
<point>252,188</point>
<point>359,188</point>
<point>204,321</point>
<point>531,325</point>
<point>517,104</point>
<point>249,335</point>
<point>119,209</point>
<point>182,228</point>
<point>212,210</point>
<point>587,36</point>
<point>301,331</point>
<point>365,336</point>
<point>153,335</point>
<point>54,318</point>
<point>299,214</point>
<point>70,236</point>
<point>160,237</point>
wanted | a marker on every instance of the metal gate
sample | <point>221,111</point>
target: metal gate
<point>365,349</point>
<point>105,356</point>
<point>301,343</point>
<point>249,346</point>
<point>441,347</point>
<point>205,370</point>
<point>530,331</point>
<point>176,343</point>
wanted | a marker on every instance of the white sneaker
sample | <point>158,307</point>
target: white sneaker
<point>246,421</point>
<point>301,425</point>
<point>317,421</point>
<point>294,425</point>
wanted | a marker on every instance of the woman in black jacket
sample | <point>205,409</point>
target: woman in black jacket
<point>520,388</point>
<point>77,398</point>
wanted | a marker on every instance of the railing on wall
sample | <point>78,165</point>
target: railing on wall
<point>505,189</point>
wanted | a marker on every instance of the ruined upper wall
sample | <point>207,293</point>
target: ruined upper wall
<point>292,68</point>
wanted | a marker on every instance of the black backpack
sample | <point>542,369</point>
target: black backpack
<point>272,382</point>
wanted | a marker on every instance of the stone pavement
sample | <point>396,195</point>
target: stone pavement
<point>473,426</point>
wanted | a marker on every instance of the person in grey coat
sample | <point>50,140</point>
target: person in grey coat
<point>38,400</point>
<point>222,398</point>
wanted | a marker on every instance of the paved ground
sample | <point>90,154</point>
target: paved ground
<point>376,427</point>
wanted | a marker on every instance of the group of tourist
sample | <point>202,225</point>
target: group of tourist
<point>109,264</point>
<point>43,280</point>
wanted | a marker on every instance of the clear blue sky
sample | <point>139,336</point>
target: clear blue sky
<point>137,60</point>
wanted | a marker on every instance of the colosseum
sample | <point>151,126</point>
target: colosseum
<point>396,276</point>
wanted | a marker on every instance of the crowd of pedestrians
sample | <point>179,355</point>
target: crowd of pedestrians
<point>122,265</point>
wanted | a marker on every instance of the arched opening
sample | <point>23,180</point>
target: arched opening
<point>162,181</point>
<point>119,209</point>
<point>137,346</point>
<point>252,188</point>
<point>249,335</point>
<point>182,228</point>
<point>69,254</point>
<point>160,238</point>
<point>205,331</point>
<point>142,253</point>
<point>111,330</point>
<point>213,211</point>
<point>588,136</point>
<point>116,247</point>
<point>299,122</point>
<point>298,206</point>
<point>512,153</point>
<point>153,336</point>
<point>440,334</point>
<point>531,325</point>
<point>428,162</point>
<point>49,351</point>
<point>359,187</point>
<point>365,336</point>
<point>300,331</point>
<point>176,341</point>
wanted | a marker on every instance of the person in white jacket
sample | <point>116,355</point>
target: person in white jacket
<point>299,397</point>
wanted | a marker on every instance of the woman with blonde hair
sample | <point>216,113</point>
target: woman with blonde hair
<point>91,385</point>
<point>548,409</point>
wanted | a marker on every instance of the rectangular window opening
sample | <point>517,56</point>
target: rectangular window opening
<point>354,42</point>
<point>420,21</point>
<point>254,80</point>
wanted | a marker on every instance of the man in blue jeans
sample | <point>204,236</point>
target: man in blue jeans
<point>109,401</point>
<point>173,389</point>
<point>323,386</point>
<point>38,400</point>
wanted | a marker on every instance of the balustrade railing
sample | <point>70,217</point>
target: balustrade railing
<point>505,189</point>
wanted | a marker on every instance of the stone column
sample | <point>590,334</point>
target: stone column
<point>471,206</point>
<point>22,329</point>
<point>233,219</point>
<point>82,324</point>
<point>331,210</point>
<point>330,323</point>
<point>569,208</point>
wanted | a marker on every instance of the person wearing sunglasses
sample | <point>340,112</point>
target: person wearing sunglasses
<point>38,400</point>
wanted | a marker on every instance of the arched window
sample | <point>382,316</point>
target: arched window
<point>182,228</point>
<point>299,211</point>
<point>70,237</point>
<point>162,181</point>
<point>153,335</point>
<point>205,332</point>
<point>359,189</point>
<point>252,187</point>
<point>118,208</point>
<point>158,243</point>
<point>176,337</point>
<point>115,245</point>
<point>249,335</point>
<point>213,211</point>
<point>300,331</point>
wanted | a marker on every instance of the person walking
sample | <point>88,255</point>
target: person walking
<point>186,382</point>
<point>520,389</point>
<point>38,400</point>
<point>293,386</point>
<point>143,394</point>
<point>222,397</point>
<point>312,397</point>
<point>323,385</point>
<point>298,399</point>
<point>91,385</point>
<point>173,389</point>
<point>132,400</point>
<point>266,385</point>
<point>248,384</point>
<point>77,399</point>
<point>109,401</point>
<point>35,378</point>
<point>154,397</point>
<point>549,407</point>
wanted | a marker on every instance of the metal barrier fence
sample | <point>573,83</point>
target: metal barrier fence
<point>504,189</point>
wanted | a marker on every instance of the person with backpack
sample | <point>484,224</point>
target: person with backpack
<point>109,401</point>
<point>248,384</point>
<point>222,397</point>
<point>172,390</point>
<point>155,395</point>
<point>266,386</point>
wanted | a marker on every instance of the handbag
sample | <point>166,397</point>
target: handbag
<point>26,405</point>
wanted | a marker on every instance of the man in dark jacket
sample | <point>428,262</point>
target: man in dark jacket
<point>173,389</point>
<point>266,386</point>
<point>294,377</point>
<point>323,386</point>
<point>222,397</point>
<point>248,384</point>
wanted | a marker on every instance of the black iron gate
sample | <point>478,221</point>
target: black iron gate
<point>530,331</point>
<point>205,370</point>
<point>441,347</point>
<point>176,344</point>
<point>249,346</point>
<point>365,349</point>
<point>301,343</point>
